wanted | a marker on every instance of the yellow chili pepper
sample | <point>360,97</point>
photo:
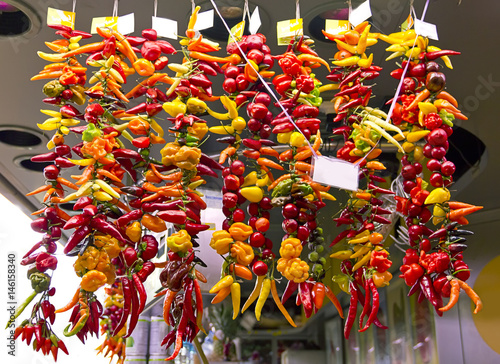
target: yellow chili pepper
<point>225,281</point>
<point>264,293</point>
<point>346,62</point>
<point>342,254</point>
<point>255,293</point>
<point>243,252</point>
<point>222,129</point>
<point>415,136</point>
<point>362,261</point>
<point>236,298</point>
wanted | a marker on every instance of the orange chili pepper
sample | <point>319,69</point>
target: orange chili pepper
<point>269,163</point>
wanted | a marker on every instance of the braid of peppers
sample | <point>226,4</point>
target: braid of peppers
<point>434,260</point>
<point>113,344</point>
<point>67,76</point>
<point>299,197</point>
<point>191,87</point>
<point>364,260</point>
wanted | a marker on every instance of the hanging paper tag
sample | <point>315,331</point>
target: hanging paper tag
<point>60,17</point>
<point>336,172</point>
<point>237,32</point>
<point>289,29</point>
<point>255,21</point>
<point>165,27</point>
<point>204,20</point>
<point>126,24</point>
<point>361,13</point>
<point>104,22</point>
<point>407,24</point>
<point>333,26</point>
<point>424,29</point>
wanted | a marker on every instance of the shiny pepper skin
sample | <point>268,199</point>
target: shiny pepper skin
<point>221,241</point>
<point>243,252</point>
<point>93,280</point>
<point>290,248</point>
<point>180,242</point>
<point>240,231</point>
<point>294,269</point>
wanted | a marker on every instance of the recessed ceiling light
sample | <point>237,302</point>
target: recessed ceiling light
<point>19,137</point>
<point>18,17</point>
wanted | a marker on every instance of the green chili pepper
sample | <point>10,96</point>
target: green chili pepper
<point>283,188</point>
<point>21,308</point>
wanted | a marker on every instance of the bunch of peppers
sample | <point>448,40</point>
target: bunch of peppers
<point>299,197</point>
<point>433,265</point>
<point>113,344</point>
<point>365,262</point>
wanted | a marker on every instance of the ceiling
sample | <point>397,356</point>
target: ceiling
<point>471,28</point>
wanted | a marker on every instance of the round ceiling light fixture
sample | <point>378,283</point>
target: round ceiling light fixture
<point>18,18</point>
<point>20,137</point>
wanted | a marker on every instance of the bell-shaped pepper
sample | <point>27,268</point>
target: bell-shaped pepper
<point>40,282</point>
<point>45,261</point>
<point>243,252</point>
<point>221,241</point>
<point>168,153</point>
<point>290,248</point>
<point>240,231</point>
<point>90,133</point>
<point>187,157</point>
<point>180,242</point>
<point>93,280</point>
<point>198,130</point>
<point>134,231</point>
<point>175,107</point>
<point>87,261</point>
<point>379,261</point>
<point>294,269</point>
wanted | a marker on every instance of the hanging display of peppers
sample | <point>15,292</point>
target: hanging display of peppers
<point>125,195</point>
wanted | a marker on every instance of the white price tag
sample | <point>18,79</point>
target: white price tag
<point>165,27</point>
<point>204,20</point>
<point>361,13</point>
<point>60,17</point>
<point>255,21</point>
<point>336,172</point>
<point>424,29</point>
<point>126,24</point>
<point>289,29</point>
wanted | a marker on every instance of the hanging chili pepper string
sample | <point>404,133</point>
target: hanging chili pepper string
<point>297,9</point>
<point>264,83</point>
<point>155,7</point>
<point>74,6</point>
<point>115,8</point>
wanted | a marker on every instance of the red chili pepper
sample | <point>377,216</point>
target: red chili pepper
<point>149,247</point>
<point>375,304</point>
<point>351,104</point>
<point>146,270</point>
<point>105,227</point>
<point>141,142</point>
<point>291,287</point>
<point>353,308</point>
<point>46,157</point>
<point>252,143</point>
<point>350,77</point>
<point>141,290</point>
<point>193,228</point>
<point>305,298</point>
<point>129,217</point>
<point>181,328</point>
<point>177,217</point>
<point>75,238</point>
<point>76,221</point>
<point>204,170</point>
<point>339,237</point>
<point>430,293</point>
<point>127,300</point>
<point>45,261</point>
<point>442,53</point>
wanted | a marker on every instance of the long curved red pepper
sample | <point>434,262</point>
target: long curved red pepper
<point>353,309</point>
<point>127,300</point>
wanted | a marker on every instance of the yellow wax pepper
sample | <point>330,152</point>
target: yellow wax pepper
<point>243,252</point>
<point>220,241</point>
<point>294,269</point>
<point>93,280</point>
<point>179,241</point>
<point>174,108</point>
<point>290,248</point>
<point>240,231</point>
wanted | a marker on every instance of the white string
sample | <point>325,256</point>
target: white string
<point>297,9</point>
<point>115,8</point>
<point>273,95</point>
<point>350,9</point>
<point>74,6</point>
<point>193,6</point>
<point>155,7</point>
<point>246,10</point>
